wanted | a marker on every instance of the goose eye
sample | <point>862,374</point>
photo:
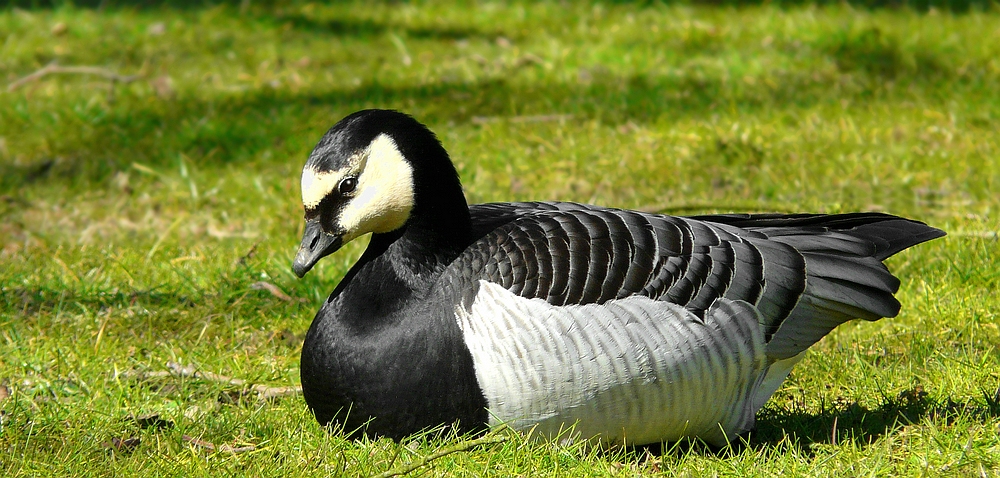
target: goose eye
<point>347,185</point>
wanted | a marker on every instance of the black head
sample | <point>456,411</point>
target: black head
<point>372,172</point>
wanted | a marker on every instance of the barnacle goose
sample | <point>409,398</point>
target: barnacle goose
<point>633,327</point>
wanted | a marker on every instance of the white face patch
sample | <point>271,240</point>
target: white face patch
<point>383,198</point>
<point>316,185</point>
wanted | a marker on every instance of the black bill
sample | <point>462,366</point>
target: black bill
<point>316,245</point>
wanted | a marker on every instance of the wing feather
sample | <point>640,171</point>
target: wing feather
<point>804,273</point>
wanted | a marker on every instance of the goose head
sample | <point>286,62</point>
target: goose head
<point>371,173</point>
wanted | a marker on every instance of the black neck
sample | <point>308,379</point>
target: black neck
<point>425,245</point>
<point>439,227</point>
<point>404,263</point>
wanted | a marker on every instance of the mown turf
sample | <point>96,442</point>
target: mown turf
<point>138,216</point>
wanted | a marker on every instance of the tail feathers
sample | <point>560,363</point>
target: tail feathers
<point>812,319</point>
<point>823,242</point>
<point>845,276</point>
<point>895,235</point>
<point>886,233</point>
<point>868,271</point>
<point>851,297</point>
<point>825,304</point>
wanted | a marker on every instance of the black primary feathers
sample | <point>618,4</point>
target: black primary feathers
<point>388,353</point>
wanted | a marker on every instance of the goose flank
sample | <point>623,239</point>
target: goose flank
<point>628,326</point>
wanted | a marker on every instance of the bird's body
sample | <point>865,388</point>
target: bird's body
<point>629,327</point>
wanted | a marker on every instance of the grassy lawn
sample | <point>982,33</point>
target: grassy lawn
<point>144,203</point>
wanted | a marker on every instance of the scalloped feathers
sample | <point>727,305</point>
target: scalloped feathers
<point>634,327</point>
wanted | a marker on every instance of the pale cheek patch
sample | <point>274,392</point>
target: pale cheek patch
<point>384,196</point>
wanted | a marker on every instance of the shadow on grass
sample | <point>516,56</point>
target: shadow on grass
<point>852,422</point>
<point>233,128</point>
<point>862,425</point>
<point>366,28</point>
<point>956,6</point>
<point>31,301</point>
<point>236,128</point>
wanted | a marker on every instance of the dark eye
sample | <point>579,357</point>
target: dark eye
<point>347,185</point>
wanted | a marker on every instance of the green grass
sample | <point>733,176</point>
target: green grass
<point>136,217</point>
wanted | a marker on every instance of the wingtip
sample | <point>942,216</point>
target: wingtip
<point>904,234</point>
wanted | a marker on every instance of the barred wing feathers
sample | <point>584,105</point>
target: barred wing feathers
<point>794,277</point>
<point>806,273</point>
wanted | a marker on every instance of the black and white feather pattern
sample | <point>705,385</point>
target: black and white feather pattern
<point>642,326</point>
<point>635,327</point>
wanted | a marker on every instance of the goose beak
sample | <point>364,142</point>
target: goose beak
<point>316,245</point>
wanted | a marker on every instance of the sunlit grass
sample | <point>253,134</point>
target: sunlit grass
<point>137,216</point>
